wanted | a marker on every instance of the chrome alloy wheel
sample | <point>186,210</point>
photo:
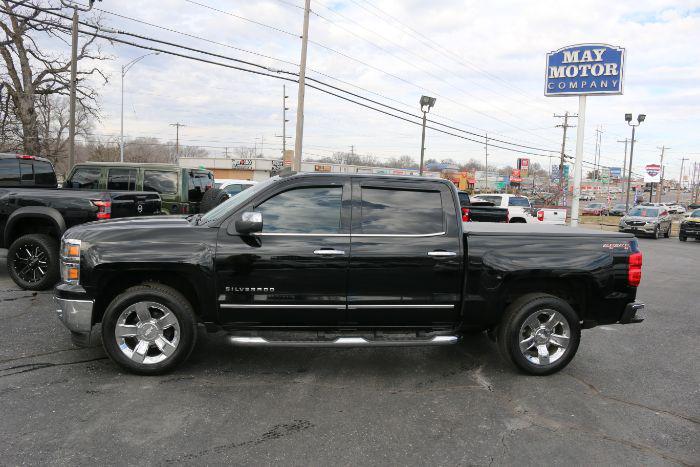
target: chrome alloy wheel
<point>147,332</point>
<point>544,337</point>
<point>31,263</point>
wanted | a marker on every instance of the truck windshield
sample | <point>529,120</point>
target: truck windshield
<point>227,206</point>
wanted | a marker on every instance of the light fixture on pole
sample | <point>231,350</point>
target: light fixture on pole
<point>125,69</point>
<point>425,105</point>
<point>628,119</point>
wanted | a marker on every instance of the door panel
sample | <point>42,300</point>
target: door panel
<point>406,263</point>
<point>294,273</point>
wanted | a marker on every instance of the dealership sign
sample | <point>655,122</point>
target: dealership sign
<point>652,173</point>
<point>585,69</point>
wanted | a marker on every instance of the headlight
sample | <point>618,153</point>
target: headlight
<point>70,261</point>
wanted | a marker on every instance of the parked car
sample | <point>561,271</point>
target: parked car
<point>587,197</point>
<point>595,209</point>
<point>619,209</point>
<point>232,186</point>
<point>676,209</point>
<point>183,190</point>
<point>647,220</point>
<point>480,211</point>
<point>34,213</point>
<point>519,209</point>
<point>339,260</point>
<point>690,227</point>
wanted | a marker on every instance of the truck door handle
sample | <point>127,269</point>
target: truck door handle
<point>328,252</point>
<point>442,253</point>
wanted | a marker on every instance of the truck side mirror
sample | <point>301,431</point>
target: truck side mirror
<point>250,222</point>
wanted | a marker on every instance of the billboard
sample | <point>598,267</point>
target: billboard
<point>585,69</point>
<point>616,172</point>
<point>524,166</point>
<point>652,173</point>
<point>516,176</point>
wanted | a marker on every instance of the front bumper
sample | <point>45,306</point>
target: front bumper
<point>76,315</point>
<point>694,233</point>
<point>630,315</point>
<point>644,229</point>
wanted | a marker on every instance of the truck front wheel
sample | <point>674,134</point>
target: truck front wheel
<point>149,329</point>
<point>539,334</point>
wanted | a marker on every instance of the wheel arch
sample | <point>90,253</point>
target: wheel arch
<point>573,291</point>
<point>33,219</point>
<point>113,282</point>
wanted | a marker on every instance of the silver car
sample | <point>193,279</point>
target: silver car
<point>647,220</point>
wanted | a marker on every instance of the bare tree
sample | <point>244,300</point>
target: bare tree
<point>31,73</point>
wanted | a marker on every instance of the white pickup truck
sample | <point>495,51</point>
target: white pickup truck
<point>519,208</point>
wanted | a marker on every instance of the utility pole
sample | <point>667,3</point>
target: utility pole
<point>177,137</point>
<point>660,191</point>
<point>284,119</point>
<point>680,181</point>
<point>564,125</point>
<point>486,155</point>
<point>296,166</point>
<point>624,164</point>
<point>73,78</point>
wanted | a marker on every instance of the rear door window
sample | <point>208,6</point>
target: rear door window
<point>518,201</point>
<point>85,178</point>
<point>9,172</point>
<point>496,200</point>
<point>400,212</point>
<point>160,181</point>
<point>122,179</point>
<point>26,172</point>
<point>44,174</point>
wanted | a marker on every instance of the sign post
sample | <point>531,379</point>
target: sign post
<point>582,70</point>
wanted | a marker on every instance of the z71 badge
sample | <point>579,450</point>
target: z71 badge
<point>249,289</point>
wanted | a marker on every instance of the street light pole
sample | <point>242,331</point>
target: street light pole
<point>125,69</point>
<point>425,105</point>
<point>628,119</point>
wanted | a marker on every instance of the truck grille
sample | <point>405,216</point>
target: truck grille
<point>635,223</point>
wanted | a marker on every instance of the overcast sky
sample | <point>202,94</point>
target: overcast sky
<point>483,61</point>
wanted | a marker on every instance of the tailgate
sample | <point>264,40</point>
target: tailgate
<point>134,203</point>
<point>488,214</point>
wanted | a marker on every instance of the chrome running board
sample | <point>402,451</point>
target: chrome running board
<point>255,341</point>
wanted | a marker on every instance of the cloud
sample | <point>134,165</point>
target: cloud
<point>483,61</point>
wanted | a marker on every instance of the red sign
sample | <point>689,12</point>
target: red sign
<point>515,176</point>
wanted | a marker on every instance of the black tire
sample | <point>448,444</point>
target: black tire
<point>657,233</point>
<point>43,251</point>
<point>667,234</point>
<point>162,296</point>
<point>682,238</point>
<point>211,199</point>
<point>508,335</point>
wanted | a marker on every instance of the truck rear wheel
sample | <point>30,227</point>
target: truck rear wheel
<point>539,334</point>
<point>32,262</point>
<point>211,199</point>
<point>149,329</point>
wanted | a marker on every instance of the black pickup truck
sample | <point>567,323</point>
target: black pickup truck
<point>480,211</point>
<point>342,260</point>
<point>34,213</point>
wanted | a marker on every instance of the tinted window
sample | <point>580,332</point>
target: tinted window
<point>44,174</point>
<point>159,181</point>
<point>496,200</point>
<point>26,172</point>
<point>644,212</point>
<point>392,211</point>
<point>9,172</point>
<point>234,188</point>
<point>121,179</point>
<point>463,197</point>
<point>695,213</point>
<point>303,210</point>
<point>85,178</point>
<point>518,201</point>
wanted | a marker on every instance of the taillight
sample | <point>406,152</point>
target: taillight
<point>104,209</point>
<point>465,214</point>
<point>540,216</point>
<point>634,273</point>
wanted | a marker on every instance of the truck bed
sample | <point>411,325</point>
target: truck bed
<point>545,230</point>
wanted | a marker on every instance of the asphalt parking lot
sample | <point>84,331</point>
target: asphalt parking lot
<point>631,396</point>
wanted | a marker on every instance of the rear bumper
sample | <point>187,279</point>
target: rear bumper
<point>631,313</point>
